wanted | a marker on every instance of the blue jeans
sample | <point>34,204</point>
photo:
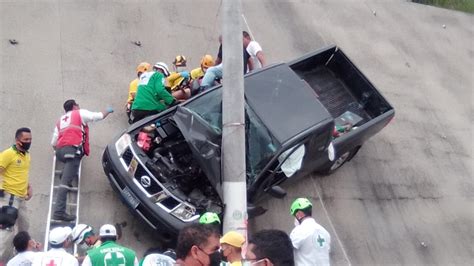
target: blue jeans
<point>211,75</point>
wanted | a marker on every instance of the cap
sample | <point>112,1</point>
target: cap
<point>108,230</point>
<point>59,234</point>
<point>233,238</point>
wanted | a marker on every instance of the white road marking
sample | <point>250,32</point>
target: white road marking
<point>331,224</point>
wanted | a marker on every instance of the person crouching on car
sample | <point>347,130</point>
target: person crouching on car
<point>152,96</point>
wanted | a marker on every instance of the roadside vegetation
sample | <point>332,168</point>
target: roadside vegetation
<point>461,5</point>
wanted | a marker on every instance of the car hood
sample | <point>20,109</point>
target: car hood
<point>204,142</point>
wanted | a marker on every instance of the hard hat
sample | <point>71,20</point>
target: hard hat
<point>79,232</point>
<point>107,230</point>
<point>207,61</point>
<point>209,218</point>
<point>163,67</point>
<point>233,238</point>
<point>143,67</point>
<point>299,204</point>
<point>59,234</point>
<point>179,61</point>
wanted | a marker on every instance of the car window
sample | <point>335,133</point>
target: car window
<point>260,145</point>
<point>291,160</point>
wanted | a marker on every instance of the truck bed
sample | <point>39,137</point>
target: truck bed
<point>332,92</point>
<point>339,84</point>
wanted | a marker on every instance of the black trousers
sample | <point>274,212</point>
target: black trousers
<point>140,114</point>
<point>71,157</point>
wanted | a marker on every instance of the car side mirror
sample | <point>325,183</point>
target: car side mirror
<point>277,192</point>
<point>254,211</point>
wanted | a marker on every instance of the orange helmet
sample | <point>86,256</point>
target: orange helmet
<point>179,61</point>
<point>207,61</point>
<point>143,67</point>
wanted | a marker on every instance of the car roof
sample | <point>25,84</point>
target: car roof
<point>284,102</point>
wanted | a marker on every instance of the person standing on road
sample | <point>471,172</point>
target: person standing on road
<point>15,189</point>
<point>71,142</point>
<point>109,252</point>
<point>255,51</point>
<point>311,242</point>
<point>27,250</point>
<point>198,245</point>
<point>270,248</point>
<point>57,255</point>
<point>231,248</point>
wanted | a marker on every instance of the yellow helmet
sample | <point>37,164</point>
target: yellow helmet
<point>179,61</point>
<point>143,67</point>
<point>207,61</point>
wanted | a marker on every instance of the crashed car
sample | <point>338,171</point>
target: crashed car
<point>312,114</point>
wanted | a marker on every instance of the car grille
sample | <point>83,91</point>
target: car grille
<point>154,187</point>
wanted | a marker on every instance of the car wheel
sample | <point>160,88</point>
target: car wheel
<point>341,160</point>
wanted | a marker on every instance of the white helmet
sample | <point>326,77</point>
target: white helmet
<point>163,67</point>
<point>79,232</point>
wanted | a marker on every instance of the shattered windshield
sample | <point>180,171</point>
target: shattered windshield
<point>260,145</point>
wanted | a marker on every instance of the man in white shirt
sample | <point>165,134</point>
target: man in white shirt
<point>255,51</point>
<point>311,242</point>
<point>57,255</point>
<point>26,247</point>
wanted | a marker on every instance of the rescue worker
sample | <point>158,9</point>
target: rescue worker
<point>57,255</point>
<point>132,90</point>
<point>109,252</point>
<point>311,242</point>
<point>206,62</point>
<point>152,97</point>
<point>83,234</point>
<point>26,248</point>
<point>178,84</point>
<point>231,248</point>
<point>71,142</point>
<point>15,189</point>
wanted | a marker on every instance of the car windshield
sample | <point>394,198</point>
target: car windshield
<point>260,145</point>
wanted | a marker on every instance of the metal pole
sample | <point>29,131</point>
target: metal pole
<point>233,127</point>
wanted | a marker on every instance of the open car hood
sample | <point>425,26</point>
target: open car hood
<point>204,142</point>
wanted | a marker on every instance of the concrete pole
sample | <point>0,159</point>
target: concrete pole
<point>233,127</point>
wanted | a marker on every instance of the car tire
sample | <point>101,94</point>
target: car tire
<point>340,161</point>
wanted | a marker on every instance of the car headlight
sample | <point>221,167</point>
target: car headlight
<point>122,143</point>
<point>184,212</point>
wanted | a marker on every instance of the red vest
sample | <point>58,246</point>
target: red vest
<point>72,132</point>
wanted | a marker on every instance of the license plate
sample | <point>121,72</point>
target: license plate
<point>130,198</point>
<point>133,167</point>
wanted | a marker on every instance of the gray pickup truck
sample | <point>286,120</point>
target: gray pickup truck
<point>309,115</point>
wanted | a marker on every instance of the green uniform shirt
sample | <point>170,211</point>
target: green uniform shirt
<point>111,253</point>
<point>151,93</point>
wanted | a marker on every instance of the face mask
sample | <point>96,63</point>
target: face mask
<point>25,145</point>
<point>224,258</point>
<point>215,258</point>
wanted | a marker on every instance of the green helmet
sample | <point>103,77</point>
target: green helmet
<point>209,218</point>
<point>299,204</point>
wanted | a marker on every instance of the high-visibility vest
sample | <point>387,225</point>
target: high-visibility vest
<point>72,132</point>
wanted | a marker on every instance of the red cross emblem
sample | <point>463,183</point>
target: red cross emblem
<point>65,120</point>
<point>51,263</point>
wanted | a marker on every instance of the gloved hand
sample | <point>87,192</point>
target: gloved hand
<point>184,74</point>
<point>110,109</point>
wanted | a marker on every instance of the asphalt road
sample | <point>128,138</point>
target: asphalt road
<point>411,183</point>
